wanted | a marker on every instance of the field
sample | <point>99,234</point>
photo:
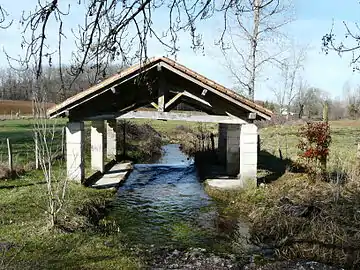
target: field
<point>343,149</point>
<point>9,108</point>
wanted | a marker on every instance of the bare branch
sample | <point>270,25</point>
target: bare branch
<point>3,16</point>
<point>252,25</point>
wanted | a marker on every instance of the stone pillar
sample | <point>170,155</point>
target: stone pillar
<point>111,139</point>
<point>75,151</point>
<point>222,142</point>
<point>233,149</point>
<point>248,152</point>
<point>98,145</point>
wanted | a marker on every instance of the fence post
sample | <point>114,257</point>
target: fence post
<point>36,150</point>
<point>10,155</point>
<point>63,132</point>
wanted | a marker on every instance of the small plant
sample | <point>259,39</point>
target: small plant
<point>314,145</point>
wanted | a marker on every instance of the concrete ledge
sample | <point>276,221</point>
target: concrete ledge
<point>225,183</point>
<point>113,178</point>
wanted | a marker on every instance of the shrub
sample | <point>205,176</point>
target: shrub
<point>314,145</point>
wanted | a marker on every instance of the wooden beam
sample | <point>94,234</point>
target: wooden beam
<point>215,91</point>
<point>185,116</point>
<point>154,105</point>
<point>173,100</point>
<point>78,101</point>
<point>189,95</point>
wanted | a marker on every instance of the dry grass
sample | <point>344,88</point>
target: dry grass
<point>301,219</point>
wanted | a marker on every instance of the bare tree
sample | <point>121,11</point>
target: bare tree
<point>352,100</point>
<point>47,150</point>
<point>112,30</point>
<point>311,100</point>
<point>3,19</point>
<point>349,44</point>
<point>253,26</point>
<point>290,74</point>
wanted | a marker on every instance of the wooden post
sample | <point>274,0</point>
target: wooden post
<point>326,112</point>
<point>63,138</point>
<point>124,139</point>
<point>36,150</point>
<point>10,155</point>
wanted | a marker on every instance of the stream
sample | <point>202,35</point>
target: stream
<point>163,206</point>
<point>164,214</point>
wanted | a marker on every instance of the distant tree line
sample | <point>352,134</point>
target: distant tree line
<point>308,103</point>
<point>20,84</point>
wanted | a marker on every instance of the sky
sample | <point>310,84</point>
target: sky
<point>312,20</point>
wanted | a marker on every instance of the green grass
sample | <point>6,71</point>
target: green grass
<point>21,135</point>
<point>345,136</point>
<point>170,127</point>
<point>24,223</point>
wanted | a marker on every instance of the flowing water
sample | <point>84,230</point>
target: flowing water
<point>164,204</point>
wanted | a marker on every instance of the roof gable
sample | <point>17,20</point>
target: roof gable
<point>100,97</point>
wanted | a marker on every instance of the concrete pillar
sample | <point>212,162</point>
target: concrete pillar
<point>111,139</point>
<point>98,145</point>
<point>248,151</point>
<point>222,142</point>
<point>233,149</point>
<point>75,151</point>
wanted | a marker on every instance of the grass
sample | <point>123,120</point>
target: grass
<point>345,136</point>
<point>295,216</point>
<point>21,135</point>
<point>83,246</point>
<point>84,239</point>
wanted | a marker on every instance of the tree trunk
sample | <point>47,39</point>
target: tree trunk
<point>326,112</point>
<point>301,111</point>
<point>254,40</point>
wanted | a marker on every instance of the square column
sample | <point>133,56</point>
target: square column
<point>222,142</point>
<point>248,152</point>
<point>111,139</point>
<point>233,149</point>
<point>98,145</point>
<point>75,168</point>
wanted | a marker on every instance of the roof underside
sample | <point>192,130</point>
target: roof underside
<point>139,86</point>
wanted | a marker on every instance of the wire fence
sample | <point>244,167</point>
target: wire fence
<point>23,149</point>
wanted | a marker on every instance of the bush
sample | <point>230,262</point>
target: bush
<point>314,145</point>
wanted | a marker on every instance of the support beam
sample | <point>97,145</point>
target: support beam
<point>111,139</point>
<point>229,97</point>
<point>173,100</point>
<point>154,105</point>
<point>190,117</point>
<point>75,168</point>
<point>186,95</point>
<point>98,145</point>
<point>98,90</point>
<point>233,149</point>
<point>248,152</point>
<point>163,91</point>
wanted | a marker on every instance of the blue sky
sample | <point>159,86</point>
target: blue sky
<point>313,18</point>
